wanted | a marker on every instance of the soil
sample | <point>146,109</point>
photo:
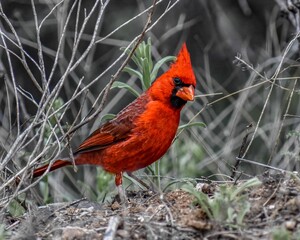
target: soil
<point>275,206</point>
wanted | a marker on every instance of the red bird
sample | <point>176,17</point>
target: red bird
<point>143,131</point>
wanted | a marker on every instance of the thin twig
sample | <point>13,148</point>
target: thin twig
<point>112,228</point>
<point>40,51</point>
<point>262,165</point>
<point>242,150</point>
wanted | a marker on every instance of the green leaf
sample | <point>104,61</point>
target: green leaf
<point>4,234</point>
<point>280,233</point>
<point>149,55</point>
<point>243,211</point>
<point>15,209</point>
<point>133,72</point>
<point>199,124</point>
<point>139,50</point>
<point>107,117</point>
<point>202,199</point>
<point>44,187</point>
<point>157,174</point>
<point>253,182</point>
<point>150,169</point>
<point>159,64</point>
<point>134,57</point>
<point>121,85</point>
<point>230,215</point>
<point>146,74</point>
<point>134,181</point>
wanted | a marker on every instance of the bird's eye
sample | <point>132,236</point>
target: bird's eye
<point>177,81</point>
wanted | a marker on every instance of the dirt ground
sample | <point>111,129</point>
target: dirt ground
<point>274,205</point>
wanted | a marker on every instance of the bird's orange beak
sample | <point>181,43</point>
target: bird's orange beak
<point>186,93</point>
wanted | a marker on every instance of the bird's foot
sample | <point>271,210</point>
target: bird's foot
<point>120,201</point>
<point>122,194</point>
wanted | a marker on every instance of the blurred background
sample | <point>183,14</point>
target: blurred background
<point>244,54</point>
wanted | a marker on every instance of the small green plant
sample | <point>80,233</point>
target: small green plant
<point>102,183</point>
<point>146,72</point>
<point>281,233</point>
<point>3,233</point>
<point>228,205</point>
<point>15,208</point>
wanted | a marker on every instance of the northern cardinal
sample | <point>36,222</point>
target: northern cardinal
<point>143,131</point>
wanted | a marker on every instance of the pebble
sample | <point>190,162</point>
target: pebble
<point>290,225</point>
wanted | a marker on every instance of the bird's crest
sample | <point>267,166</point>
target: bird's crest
<point>183,67</point>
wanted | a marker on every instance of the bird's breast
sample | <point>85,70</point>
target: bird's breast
<point>152,135</point>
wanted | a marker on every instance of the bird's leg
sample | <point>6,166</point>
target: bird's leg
<point>121,192</point>
<point>130,174</point>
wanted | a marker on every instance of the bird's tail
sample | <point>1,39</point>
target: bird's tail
<point>90,158</point>
<point>57,164</point>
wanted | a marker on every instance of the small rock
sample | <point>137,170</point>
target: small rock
<point>115,206</point>
<point>200,225</point>
<point>290,225</point>
<point>123,234</point>
<point>83,214</point>
<point>72,233</point>
<point>206,188</point>
<point>90,209</point>
<point>293,204</point>
<point>271,206</point>
<point>141,219</point>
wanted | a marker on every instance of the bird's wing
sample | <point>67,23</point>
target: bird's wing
<point>105,136</point>
<point>116,130</point>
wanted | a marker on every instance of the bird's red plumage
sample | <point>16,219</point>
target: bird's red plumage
<point>143,131</point>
